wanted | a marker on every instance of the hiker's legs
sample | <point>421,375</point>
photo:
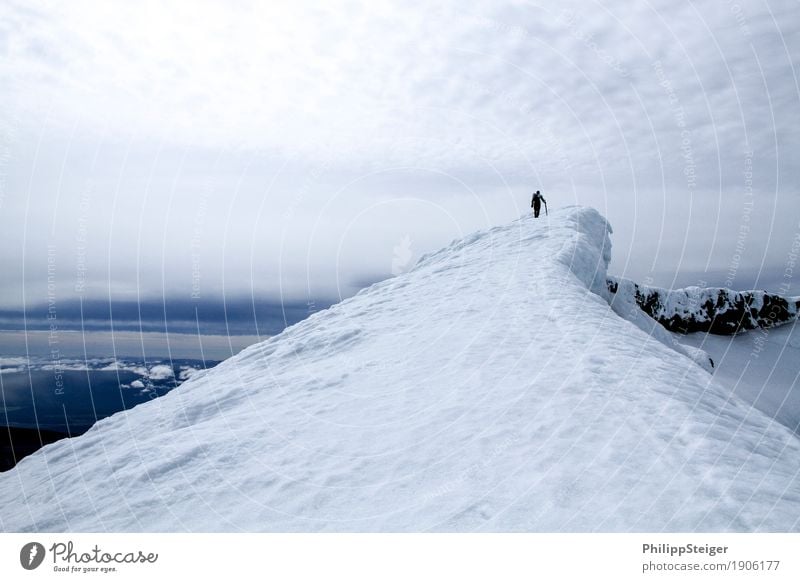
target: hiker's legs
<point>536,208</point>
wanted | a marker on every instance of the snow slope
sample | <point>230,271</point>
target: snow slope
<point>490,388</point>
<point>761,367</point>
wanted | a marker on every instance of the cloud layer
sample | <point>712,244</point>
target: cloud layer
<point>287,149</point>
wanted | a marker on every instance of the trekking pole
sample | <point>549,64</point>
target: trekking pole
<point>545,209</point>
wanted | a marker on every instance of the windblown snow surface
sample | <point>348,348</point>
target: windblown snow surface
<point>490,388</point>
<point>761,367</point>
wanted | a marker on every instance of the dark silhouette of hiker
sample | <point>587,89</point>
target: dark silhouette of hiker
<point>536,203</point>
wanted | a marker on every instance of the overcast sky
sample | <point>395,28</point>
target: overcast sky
<point>300,150</point>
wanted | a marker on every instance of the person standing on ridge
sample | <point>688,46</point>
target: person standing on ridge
<point>536,203</point>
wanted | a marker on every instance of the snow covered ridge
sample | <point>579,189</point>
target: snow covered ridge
<point>715,310</point>
<point>489,388</point>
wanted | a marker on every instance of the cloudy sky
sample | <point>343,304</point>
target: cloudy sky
<point>296,151</point>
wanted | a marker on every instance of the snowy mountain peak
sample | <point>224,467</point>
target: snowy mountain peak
<point>492,387</point>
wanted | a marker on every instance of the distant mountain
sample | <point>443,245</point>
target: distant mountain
<point>715,310</point>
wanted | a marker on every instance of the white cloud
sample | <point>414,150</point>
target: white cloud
<point>12,362</point>
<point>160,372</point>
<point>394,81</point>
<point>290,110</point>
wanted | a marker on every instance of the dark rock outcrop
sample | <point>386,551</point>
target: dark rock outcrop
<point>715,310</point>
<point>16,443</point>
